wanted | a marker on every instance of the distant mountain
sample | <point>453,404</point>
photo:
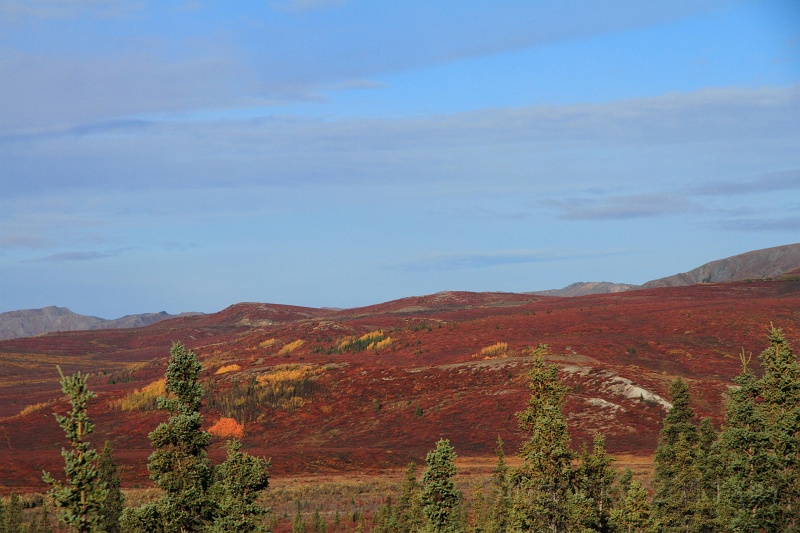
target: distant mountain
<point>758,264</point>
<point>31,322</point>
<point>582,288</point>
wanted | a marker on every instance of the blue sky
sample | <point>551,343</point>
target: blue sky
<point>185,156</point>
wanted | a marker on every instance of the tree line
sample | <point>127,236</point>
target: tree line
<point>743,478</point>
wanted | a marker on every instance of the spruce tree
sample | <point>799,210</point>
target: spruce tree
<point>677,480</point>
<point>632,513</point>
<point>409,504</point>
<point>80,499</point>
<point>115,500</point>
<point>237,484</point>
<point>13,523</point>
<point>179,466</point>
<point>748,491</point>
<point>441,501</point>
<point>500,496</point>
<point>592,483</point>
<point>541,502</point>
<point>780,394</point>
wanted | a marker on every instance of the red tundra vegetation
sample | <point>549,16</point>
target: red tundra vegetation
<point>356,390</point>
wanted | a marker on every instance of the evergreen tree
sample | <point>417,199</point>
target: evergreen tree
<point>748,492</point>
<point>677,481</point>
<point>13,523</point>
<point>299,523</point>
<point>80,499</point>
<point>115,500</point>
<point>385,520</point>
<point>541,502</point>
<point>179,466</point>
<point>499,504</point>
<point>593,481</point>
<point>632,514</point>
<point>409,505</point>
<point>441,501</point>
<point>237,484</point>
<point>780,392</point>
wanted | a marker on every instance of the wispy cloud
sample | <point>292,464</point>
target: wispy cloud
<point>791,223</point>
<point>24,240</point>
<point>788,180</point>
<point>81,256</point>
<point>624,207</point>
<point>487,259</point>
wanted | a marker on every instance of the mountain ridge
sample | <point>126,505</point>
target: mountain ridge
<point>32,322</point>
<point>756,264</point>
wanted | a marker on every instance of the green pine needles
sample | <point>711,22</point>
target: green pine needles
<point>196,497</point>
<point>80,499</point>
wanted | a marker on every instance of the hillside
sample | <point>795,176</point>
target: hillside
<point>316,398</point>
<point>757,264</point>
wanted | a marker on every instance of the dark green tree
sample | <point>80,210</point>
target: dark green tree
<point>79,500</point>
<point>179,466</point>
<point>237,484</point>
<point>780,394</point>
<point>409,504</point>
<point>632,514</point>
<point>542,482</point>
<point>499,501</point>
<point>441,500</point>
<point>386,520</point>
<point>115,500</point>
<point>13,522</point>
<point>677,480</point>
<point>748,492</point>
<point>592,483</point>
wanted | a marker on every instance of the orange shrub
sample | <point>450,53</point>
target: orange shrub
<point>227,428</point>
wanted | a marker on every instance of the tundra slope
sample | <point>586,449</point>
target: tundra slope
<point>365,408</point>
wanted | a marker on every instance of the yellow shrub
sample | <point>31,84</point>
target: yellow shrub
<point>288,374</point>
<point>228,368</point>
<point>34,407</point>
<point>380,345</point>
<point>367,341</point>
<point>145,399</point>
<point>292,346</point>
<point>499,349</point>
<point>267,343</point>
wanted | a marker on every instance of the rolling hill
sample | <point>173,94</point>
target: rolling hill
<point>322,390</point>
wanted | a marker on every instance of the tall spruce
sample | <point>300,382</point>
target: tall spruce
<point>409,504</point>
<point>592,489</point>
<point>13,515</point>
<point>632,513</point>
<point>542,482</point>
<point>677,480</point>
<point>748,491</point>
<point>80,499</point>
<point>237,484</point>
<point>179,466</point>
<point>114,503</point>
<point>441,500</point>
<point>780,395</point>
<point>500,496</point>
